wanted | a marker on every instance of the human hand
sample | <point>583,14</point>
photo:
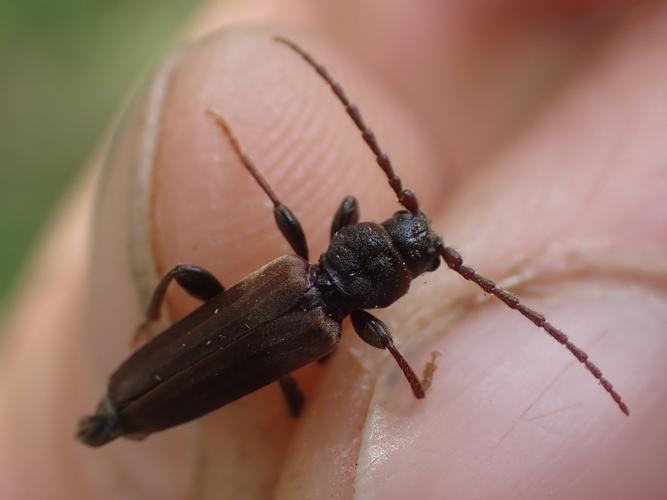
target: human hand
<point>545,167</point>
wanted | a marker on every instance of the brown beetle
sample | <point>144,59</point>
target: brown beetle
<point>286,314</point>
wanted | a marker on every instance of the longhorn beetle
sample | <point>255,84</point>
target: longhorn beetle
<point>286,314</point>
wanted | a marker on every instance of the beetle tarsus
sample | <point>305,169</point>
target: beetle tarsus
<point>429,370</point>
<point>293,395</point>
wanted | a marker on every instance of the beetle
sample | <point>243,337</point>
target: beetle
<point>288,313</point>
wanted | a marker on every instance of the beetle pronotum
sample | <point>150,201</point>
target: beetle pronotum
<point>288,313</point>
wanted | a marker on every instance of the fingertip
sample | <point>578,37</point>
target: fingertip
<point>174,179</point>
<point>208,210</point>
<point>512,406</point>
<point>203,207</point>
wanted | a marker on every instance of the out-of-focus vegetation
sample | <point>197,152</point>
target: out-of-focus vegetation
<point>65,66</point>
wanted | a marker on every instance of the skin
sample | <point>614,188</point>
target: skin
<point>534,138</point>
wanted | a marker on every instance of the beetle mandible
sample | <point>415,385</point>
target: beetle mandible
<point>286,314</point>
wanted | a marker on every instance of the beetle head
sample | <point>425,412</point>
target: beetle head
<point>413,237</point>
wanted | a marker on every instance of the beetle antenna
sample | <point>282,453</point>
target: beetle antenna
<point>451,257</point>
<point>287,222</point>
<point>455,262</point>
<point>245,159</point>
<point>405,197</point>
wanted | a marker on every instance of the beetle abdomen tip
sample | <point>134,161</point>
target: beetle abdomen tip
<point>97,430</point>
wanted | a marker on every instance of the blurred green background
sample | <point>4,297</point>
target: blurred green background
<point>65,67</point>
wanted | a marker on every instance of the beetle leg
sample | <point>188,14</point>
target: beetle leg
<point>196,281</point>
<point>347,213</point>
<point>287,222</point>
<point>293,394</point>
<point>376,333</point>
<point>291,229</point>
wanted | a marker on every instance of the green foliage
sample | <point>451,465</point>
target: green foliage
<point>65,67</point>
